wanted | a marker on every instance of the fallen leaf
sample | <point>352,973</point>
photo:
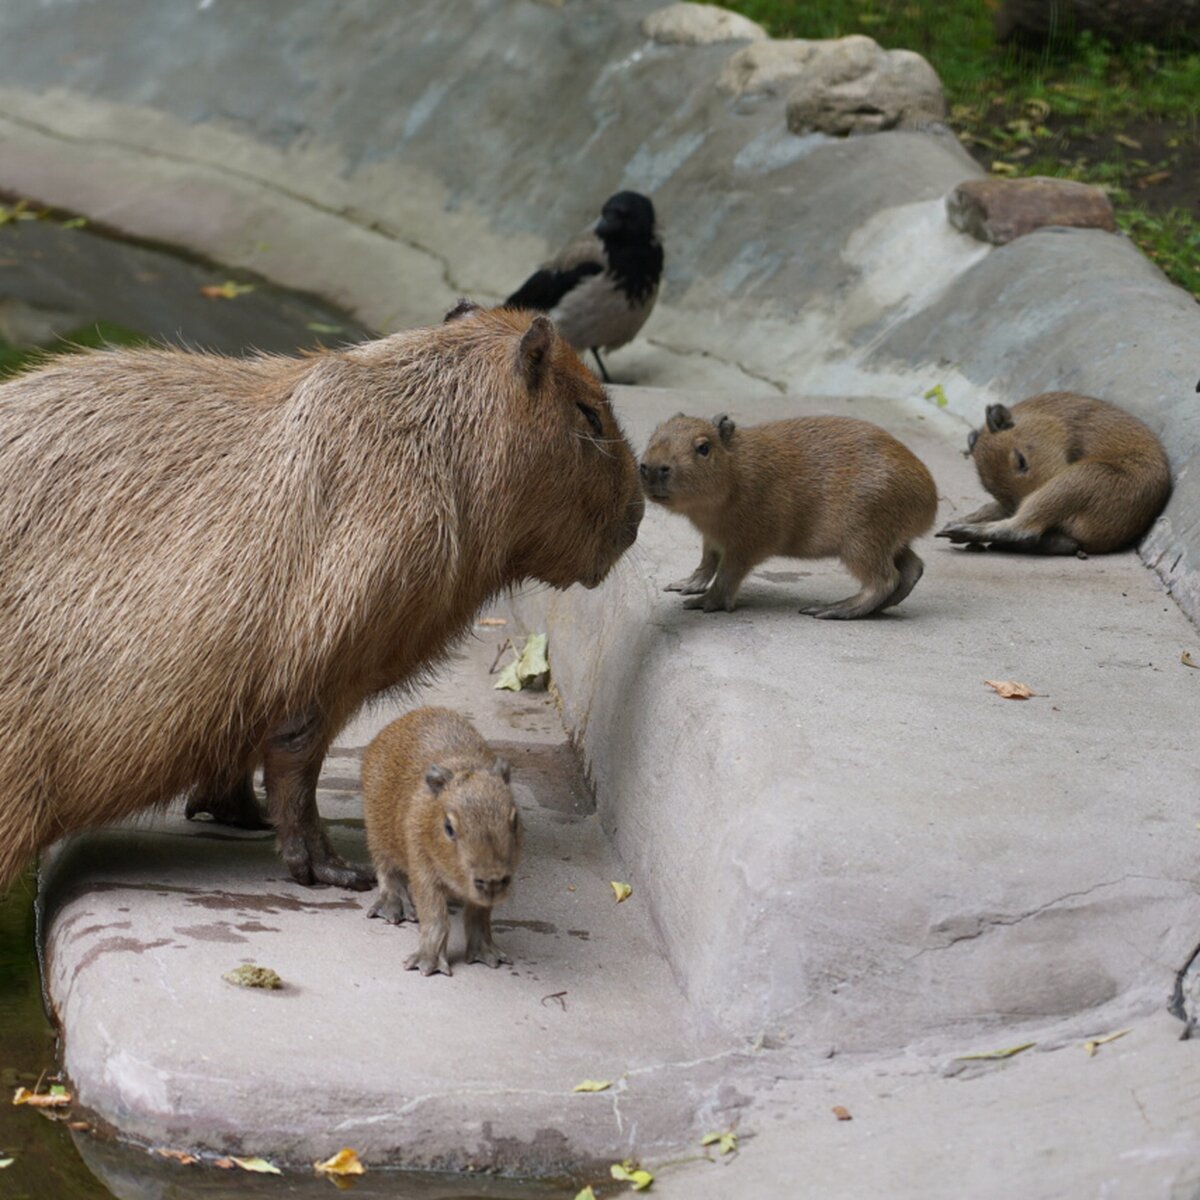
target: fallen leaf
<point>532,668</point>
<point>250,976</point>
<point>937,392</point>
<point>622,891</point>
<point>726,1142</point>
<point>842,1112</point>
<point>592,1085</point>
<point>1188,660</point>
<point>78,1126</point>
<point>1008,1052</point>
<point>179,1156</point>
<point>1004,168</point>
<point>1153,179</point>
<point>586,1194</point>
<point>257,1166</point>
<point>229,290</point>
<point>75,223</point>
<point>1123,139</point>
<point>626,1172</point>
<point>1010,690</point>
<point>6,1162</point>
<point>57,1097</point>
<point>321,327</point>
<point>491,622</point>
<point>1090,1046</point>
<point>344,1162</point>
<point>226,1164</point>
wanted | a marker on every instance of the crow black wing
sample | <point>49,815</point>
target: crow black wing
<point>545,288</point>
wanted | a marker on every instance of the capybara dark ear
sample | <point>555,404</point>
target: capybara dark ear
<point>972,438</point>
<point>463,308</point>
<point>998,418</point>
<point>725,427</point>
<point>534,353</point>
<point>500,767</point>
<point>437,777</point>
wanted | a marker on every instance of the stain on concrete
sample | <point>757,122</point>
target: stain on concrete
<point>552,772</point>
<point>115,945</point>
<point>535,926</point>
<point>219,931</point>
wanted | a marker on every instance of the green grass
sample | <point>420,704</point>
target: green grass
<point>1125,118</point>
<point>15,359</point>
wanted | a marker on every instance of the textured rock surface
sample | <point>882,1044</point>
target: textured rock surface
<point>999,210</point>
<point>700,25</point>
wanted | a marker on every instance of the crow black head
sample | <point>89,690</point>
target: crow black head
<point>627,215</point>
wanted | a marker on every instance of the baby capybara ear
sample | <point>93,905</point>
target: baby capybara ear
<point>998,418</point>
<point>463,308</point>
<point>725,427</point>
<point>533,355</point>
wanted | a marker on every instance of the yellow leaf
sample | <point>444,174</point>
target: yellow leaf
<point>586,1194</point>
<point>1125,140</point>
<point>1003,168</point>
<point>57,1097</point>
<point>229,290</point>
<point>726,1142</point>
<point>1090,1046</point>
<point>8,1162</point>
<point>250,976</point>
<point>1006,1053</point>
<point>344,1162</point>
<point>592,1085</point>
<point>1010,690</point>
<point>626,1172</point>
<point>622,891</point>
<point>259,1166</point>
<point>179,1156</point>
<point>938,393</point>
<point>1188,660</point>
<point>532,668</point>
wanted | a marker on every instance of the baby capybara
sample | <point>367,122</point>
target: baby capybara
<point>210,563</point>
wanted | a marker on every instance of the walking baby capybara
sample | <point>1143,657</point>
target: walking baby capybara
<point>441,826</point>
<point>1069,473</point>
<point>210,563</point>
<point>810,487</point>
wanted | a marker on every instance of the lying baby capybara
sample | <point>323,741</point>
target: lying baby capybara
<point>441,826</point>
<point>1069,473</point>
<point>810,487</point>
<point>211,563</point>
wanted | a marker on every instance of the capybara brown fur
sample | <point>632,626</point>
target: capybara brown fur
<point>210,563</point>
<point>1069,473</point>
<point>441,826</point>
<point>810,487</point>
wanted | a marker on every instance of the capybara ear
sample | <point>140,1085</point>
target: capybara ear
<point>972,438</point>
<point>725,427</point>
<point>500,767</point>
<point>463,308</point>
<point>534,352</point>
<point>998,418</point>
<point>437,778</point>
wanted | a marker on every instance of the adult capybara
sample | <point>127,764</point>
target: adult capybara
<point>1068,473</point>
<point>209,563</point>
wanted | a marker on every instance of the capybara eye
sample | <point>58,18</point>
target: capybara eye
<point>1019,460</point>
<point>702,449</point>
<point>506,881</point>
<point>593,418</point>
<point>449,828</point>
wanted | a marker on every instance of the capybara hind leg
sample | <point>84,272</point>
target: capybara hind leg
<point>291,765</point>
<point>994,511</point>
<point>699,579</point>
<point>477,921</point>
<point>911,568</point>
<point>880,581</point>
<point>236,806</point>
<point>393,904</point>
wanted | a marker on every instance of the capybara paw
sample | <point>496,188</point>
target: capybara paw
<point>488,953</point>
<point>691,586</point>
<point>338,873</point>
<point>390,908</point>
<point>427,964</point>
<point>961,533</point>
<point>708,603</point>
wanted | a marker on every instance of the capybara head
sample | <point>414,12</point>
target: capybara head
<point>689,462</point>
<point>1016,452</point>
<point>480,829</point>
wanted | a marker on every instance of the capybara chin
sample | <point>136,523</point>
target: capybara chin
<point>211,562</point>
<point>1069,473</point>
<point>810,487</point>
<point>441,826</point>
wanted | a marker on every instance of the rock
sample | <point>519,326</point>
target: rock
<point>852,85</point>
<point>763,67</point>
<point>700,25</point>
<point>1000,210</point>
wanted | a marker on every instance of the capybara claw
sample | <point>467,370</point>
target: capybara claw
<point>337,873</point>
<point>490,955</point>
<point>390,908</point>
<point>427,964</point>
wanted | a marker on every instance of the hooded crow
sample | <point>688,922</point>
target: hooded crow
<point>600,288</point>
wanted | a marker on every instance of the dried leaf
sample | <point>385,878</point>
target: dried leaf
<point>1123,139</point>
<point>257,1166</point>
<point>1010,690</point>
<point>492,622</point>
<point>1153,179</point>
<point>57,1097</point>
<point>1004,168</point>
<point>622,891</point>
<point>726,1142</point>
<point>6,1162</point>
<point>938,393</point>
<point>229,290</point>
<point>1008,1052</point>
<point>627,1172</point>
<point>532,668</point>
<point>344,1162</point>
<point>179,1156</point>
<point>1090,1046</point>
<point>592,1085</point>
<point>842,1112</point>
<point>75,223</point>
<point>250,976</point>
<point>1188,660</point>
<point>322,327</point>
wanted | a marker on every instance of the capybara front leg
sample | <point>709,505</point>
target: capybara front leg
<point>477,921</point>
<point>236,805</point>
<point>698,580</point>
<point>291,765</point>
<point>722,592</point>
<point>434,917</point>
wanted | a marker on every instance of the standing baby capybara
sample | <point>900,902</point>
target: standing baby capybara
<point>441,826</point>
<point>1069,473</point>
<point>210,563</point>
<point>810,487</point>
